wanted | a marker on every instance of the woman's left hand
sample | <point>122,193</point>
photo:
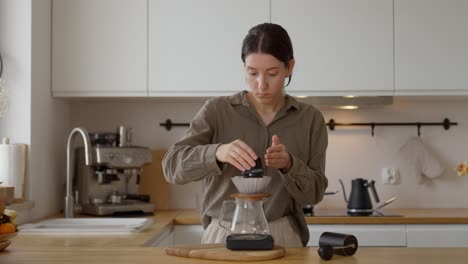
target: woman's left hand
<point>277,156</point>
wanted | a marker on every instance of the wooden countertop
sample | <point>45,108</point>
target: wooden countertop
<point>407,216</point>
<point>336,216</point>
<point>82,248</point>
<point>137,255</point>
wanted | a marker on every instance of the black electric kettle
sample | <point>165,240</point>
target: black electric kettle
<point>359,203</point>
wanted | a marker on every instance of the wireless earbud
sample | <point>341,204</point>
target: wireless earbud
<point>336,243</point>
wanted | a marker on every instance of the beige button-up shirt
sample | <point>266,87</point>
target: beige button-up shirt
<point>300,127</point>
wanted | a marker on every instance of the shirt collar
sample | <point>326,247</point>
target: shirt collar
<point>241,99</point>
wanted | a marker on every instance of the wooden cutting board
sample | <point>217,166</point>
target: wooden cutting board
<point>220,252</point>
<point>152,181</point>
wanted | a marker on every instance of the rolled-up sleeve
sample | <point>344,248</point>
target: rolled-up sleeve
<point>194,157</point>
<point>306,181</point>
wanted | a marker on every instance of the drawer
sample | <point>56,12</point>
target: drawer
<point>367,235</point>
<point>437,235</point>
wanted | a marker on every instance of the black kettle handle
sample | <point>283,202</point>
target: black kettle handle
<point>374,192</point>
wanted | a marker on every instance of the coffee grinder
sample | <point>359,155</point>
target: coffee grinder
<point>248,229</point>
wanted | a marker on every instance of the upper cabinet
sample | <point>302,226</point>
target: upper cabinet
<point>431,47</point>
<point>99,48</point>
<point>195,46</point>
<point>136,48</point>
<point>341,47</point>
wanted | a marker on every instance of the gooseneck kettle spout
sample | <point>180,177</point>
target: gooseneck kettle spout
<point>344,191</point>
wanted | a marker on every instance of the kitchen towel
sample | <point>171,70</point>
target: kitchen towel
<point>423,163</point>
<point>13,166</point>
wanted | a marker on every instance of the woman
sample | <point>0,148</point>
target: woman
<point>230,132</point>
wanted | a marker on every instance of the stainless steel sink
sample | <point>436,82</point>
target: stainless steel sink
<point>88,225</point>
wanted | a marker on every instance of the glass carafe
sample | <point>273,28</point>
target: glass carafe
<point>244,215</point>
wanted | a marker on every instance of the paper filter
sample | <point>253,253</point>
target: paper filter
<point>251,185</point>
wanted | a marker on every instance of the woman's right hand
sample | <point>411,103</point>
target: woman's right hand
<point>238,154</point>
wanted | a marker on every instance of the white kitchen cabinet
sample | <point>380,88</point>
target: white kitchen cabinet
<point>165,238</point>
<point>341,47</point>
<point>188,234</point>
<point>431,40</point>
<point>437,235</point>
<point>399,235</point>
<point>99,48</point>
<point>195,46</point>
<point>367,235</point>
<point>178,235</point>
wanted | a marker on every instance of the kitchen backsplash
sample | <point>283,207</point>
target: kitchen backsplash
<point>352,151</point>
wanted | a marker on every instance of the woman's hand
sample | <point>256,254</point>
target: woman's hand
<point>277,156</point>
<point>238,154</point>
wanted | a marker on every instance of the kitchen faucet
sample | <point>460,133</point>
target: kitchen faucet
<point>88,159</point>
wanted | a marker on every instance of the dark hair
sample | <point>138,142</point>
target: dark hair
<point>270,39</point>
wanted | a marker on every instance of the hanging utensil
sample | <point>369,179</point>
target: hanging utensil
<point>387,202</point>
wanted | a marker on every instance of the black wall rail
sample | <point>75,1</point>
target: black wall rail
<point>332,124</point>
<point>446,124</point>
<point>168,124</point>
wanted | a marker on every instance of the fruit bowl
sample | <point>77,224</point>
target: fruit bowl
<point>5,237</point>
<point>5,240</point>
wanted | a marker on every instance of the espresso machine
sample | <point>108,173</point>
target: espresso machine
<point>109,186</point>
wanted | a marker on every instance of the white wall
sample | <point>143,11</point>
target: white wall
<point>15,46</point>
<point>49,121</point>
<point>352,152</point>
<point>34,117</point>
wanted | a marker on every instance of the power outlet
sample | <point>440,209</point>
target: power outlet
<point>390,176</point>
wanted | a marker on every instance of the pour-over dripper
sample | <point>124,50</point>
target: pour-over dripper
<point>252,180</point>
<point>251,185</point>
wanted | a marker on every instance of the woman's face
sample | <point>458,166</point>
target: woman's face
<point>266,77</point>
